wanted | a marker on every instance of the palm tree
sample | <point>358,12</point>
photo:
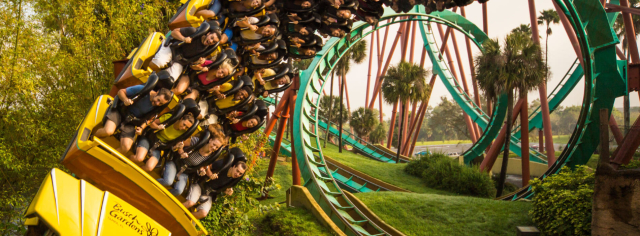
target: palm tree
<point>518,66</point>
<point>378,134</point>
<point>363,121</point>
<point>548,17</point>
<point>523,28</point>
<point>331,115</point>
<point>357,53</point>
<point>404,82</point>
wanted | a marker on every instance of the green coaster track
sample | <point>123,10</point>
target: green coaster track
<point>587,17</point>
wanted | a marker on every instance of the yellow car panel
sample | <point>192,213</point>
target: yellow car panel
<point>96,160</point>
<point>137,68</point>
<point>187,18</point>
<point>69,206</point>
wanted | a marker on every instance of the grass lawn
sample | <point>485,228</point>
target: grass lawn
<point>282,176</point>
<point>564,139</point>
<point>391,173</point>
<point>442,142</point>
<point>433,214</point>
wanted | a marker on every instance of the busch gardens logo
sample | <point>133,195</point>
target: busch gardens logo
<point>130,220</point>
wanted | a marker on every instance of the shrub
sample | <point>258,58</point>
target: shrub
<point>440,172</point>
<point>633,164</point>
<point>562,202</point>
<point>228,213</point>
<point>417,166</point>
<point>291,221</point>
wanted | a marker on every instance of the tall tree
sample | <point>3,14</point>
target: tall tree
<point>548,17</point>
<point>519,66</point>
<point>332,114</point>
<point>405,82</point>
<point>523,28</point>
<point>357,53</point>
<point>378,134</point>
<point>363,121</point>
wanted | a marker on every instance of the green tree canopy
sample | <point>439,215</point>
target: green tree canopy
<point>363,121</point>
<point>334,117</point>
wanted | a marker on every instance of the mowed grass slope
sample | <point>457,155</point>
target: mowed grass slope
<point>434,214</point>
<point>388,172</point>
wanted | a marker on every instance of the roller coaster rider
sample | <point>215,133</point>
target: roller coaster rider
<point>148,143</point>
<point>140,106</point>
<point>192,157</point>
<point>181,49</point>
<point>221,179</point>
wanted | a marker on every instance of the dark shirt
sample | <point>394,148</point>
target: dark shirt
<point>143,105</point>
<point>222,180</point>
<point>190,50</point>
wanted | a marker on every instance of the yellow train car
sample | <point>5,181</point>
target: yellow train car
<point>96,160</point>
<point>65,205</point>
<point>137,68</point>
<point>185,17</point>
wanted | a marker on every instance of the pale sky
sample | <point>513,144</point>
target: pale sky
<point>504,15</point>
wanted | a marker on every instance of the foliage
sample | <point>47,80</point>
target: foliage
<point>519,65</point>
<point>334,116</point>
<point>422,163</point>
<point>562,203</point>
<point>357,53</point>
<point>378,134</point>
<point>228,213</point>
<point>405,82</point>
<point>447,121</point>
<point>363,121</point>
<point>56,59</point>
<point>291,221</point>
<point>523,28</point>
<point>440,172</point>
<point>633,164</point>
<point>302,64</point>
<point>548,17</point>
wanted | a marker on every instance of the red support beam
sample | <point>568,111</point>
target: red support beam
<point>369,70</point>
<point>630,144</point>
<point>630,33</point>
<point>617,134</point>
<point>295,169</point>
<point>542,89</point>
<point>376,88</point>
<point>413,41</point>
<point>485,18</point>
<point>616,8</point>
<point>278,142</point>
<point>495,149</point>
<point>472,70</point>
<point>452,67</point>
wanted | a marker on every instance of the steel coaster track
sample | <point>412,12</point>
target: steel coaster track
<point>347,180</point>
<point>605,79</point>
<point>368,150</point>
<point>322,185</point>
